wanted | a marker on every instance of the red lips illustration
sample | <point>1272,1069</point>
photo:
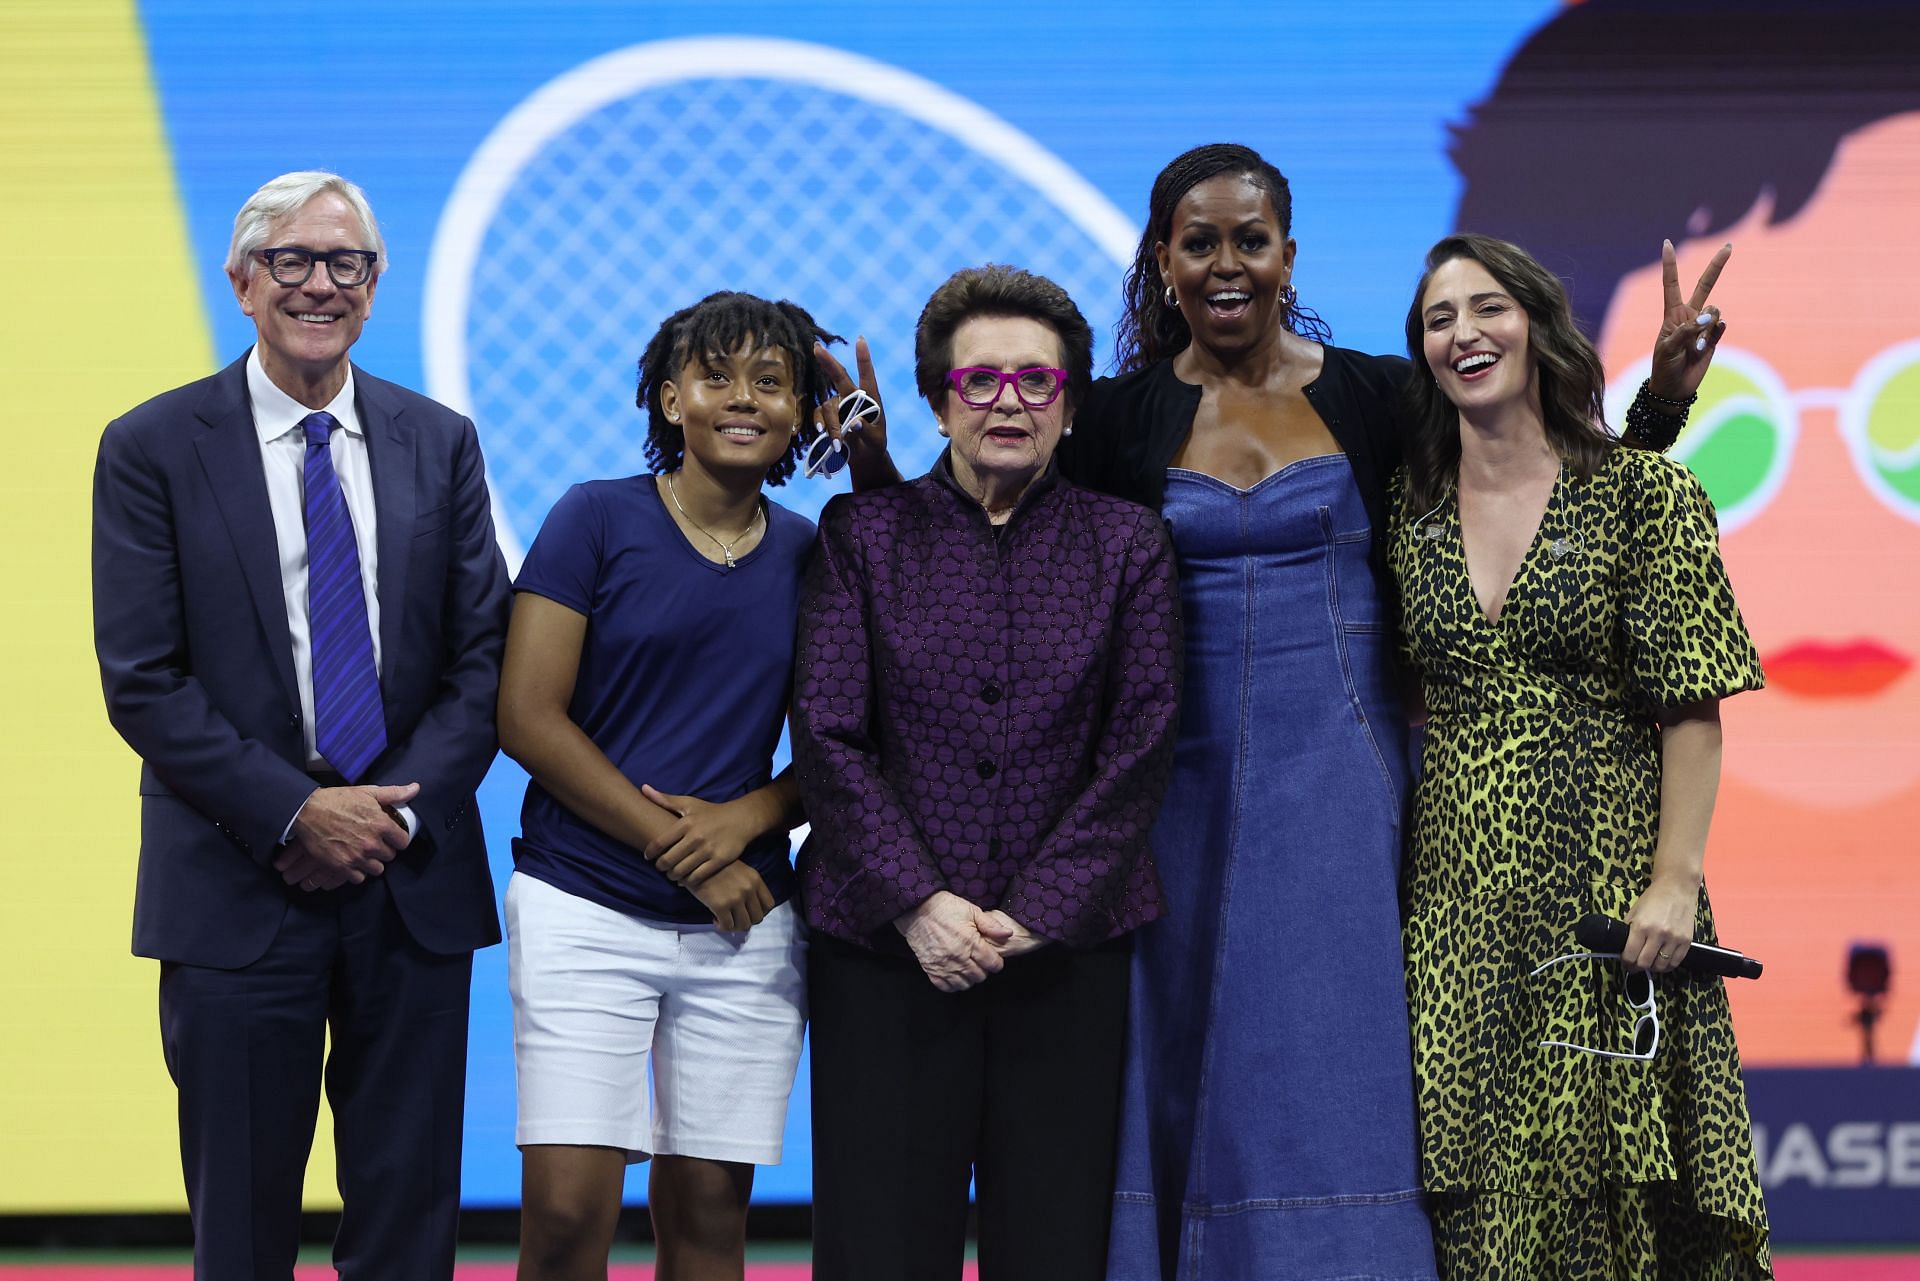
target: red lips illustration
<point>1836,669</point>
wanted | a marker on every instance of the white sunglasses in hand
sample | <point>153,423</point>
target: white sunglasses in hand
<point>1646,1028</point>
<point>827,454</point>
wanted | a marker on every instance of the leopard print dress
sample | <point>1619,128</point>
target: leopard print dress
<point>1539,803</point>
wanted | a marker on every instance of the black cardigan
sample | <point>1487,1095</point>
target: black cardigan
<point>1126,434</point>
<point>1131,426</point>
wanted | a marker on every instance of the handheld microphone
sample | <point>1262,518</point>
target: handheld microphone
<point>1599,933</point>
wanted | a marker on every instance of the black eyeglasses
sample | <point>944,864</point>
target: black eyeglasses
<point>347,267</point>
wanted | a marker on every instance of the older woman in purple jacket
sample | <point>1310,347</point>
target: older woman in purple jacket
<point>987,693</point>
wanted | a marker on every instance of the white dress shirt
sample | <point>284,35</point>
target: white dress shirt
<point>283,452</point>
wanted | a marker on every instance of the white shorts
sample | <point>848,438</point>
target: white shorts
<point>599,995</point>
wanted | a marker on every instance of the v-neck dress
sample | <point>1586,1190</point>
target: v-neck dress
<point>1539,803</point>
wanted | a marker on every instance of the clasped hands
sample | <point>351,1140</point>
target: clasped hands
<point>958,944</point>
<point>701,851</point>
<point>343,835</point>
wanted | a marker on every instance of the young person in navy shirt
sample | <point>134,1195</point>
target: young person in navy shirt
<point>647,675</point>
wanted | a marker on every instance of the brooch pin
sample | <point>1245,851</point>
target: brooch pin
<point>1561,548</point>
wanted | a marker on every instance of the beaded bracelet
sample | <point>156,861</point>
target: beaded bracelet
<point>1678,406</point>
<point>1656,420</point>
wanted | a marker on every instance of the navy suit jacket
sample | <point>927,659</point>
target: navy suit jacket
<point>190,626</point>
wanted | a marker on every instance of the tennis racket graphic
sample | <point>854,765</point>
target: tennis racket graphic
<point>642,180</point>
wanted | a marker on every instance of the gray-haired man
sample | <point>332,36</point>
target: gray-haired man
<point>299,611</point>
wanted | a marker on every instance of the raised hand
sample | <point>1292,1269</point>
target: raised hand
<point>1690,327</point>
<point>867,454</point>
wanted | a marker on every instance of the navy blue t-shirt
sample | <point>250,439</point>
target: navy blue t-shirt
<point>685,674</point>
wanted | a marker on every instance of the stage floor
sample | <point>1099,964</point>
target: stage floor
<point>766,1263</point>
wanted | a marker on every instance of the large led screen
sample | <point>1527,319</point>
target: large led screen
<point>553,179</point>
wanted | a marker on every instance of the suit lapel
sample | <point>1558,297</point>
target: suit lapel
<point>230,455</point>
<point>390,455</point>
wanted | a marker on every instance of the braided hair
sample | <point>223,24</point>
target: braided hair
<point>717,326</point>
<point>1150,329</point>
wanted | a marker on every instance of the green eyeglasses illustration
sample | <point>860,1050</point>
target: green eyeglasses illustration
<point>1742,434</point>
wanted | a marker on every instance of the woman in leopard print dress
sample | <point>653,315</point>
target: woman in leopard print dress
<point>1573,629</point>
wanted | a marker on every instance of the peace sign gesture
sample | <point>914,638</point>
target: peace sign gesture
<point>1690,328</point>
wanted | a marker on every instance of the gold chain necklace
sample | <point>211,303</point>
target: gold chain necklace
<point>724,544</point>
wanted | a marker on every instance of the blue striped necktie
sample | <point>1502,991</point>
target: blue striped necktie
<point>349,724</point>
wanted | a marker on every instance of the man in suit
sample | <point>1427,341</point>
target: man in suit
<point>299,611</point>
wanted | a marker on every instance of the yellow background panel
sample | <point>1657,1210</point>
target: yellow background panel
<point>104,311</point>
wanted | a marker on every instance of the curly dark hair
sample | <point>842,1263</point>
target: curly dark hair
<point>1571,379</point>
<point>1150,330</point>
<point>717,326</point>
<point>998,290</point>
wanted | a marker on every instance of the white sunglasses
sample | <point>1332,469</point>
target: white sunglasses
<point>1646,1028</point>
<point>826,453</point>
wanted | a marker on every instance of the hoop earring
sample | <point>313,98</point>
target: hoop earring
<point>1170,298</point>
<point>1289,296</point>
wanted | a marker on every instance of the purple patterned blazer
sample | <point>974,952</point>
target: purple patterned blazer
<point>989,715</point>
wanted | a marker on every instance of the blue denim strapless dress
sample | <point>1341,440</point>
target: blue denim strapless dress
<point>1267,1125</point>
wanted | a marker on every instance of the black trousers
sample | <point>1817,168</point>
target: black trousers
<point>1015,1082</point>
<point>245,1048</point>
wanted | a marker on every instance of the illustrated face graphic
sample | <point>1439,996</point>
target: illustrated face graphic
<point>1807,437</point>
